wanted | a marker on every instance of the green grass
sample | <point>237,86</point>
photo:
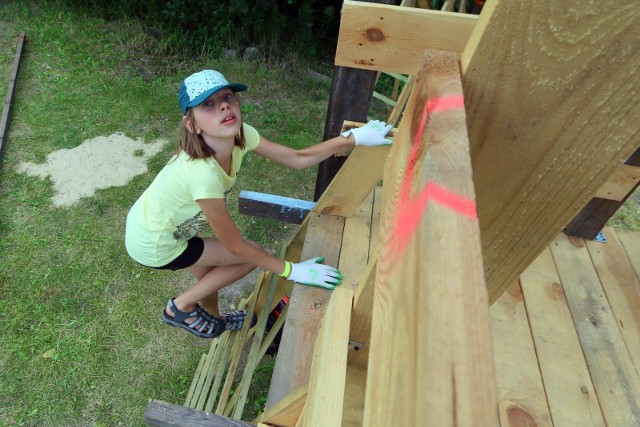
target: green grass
<point>82,339</point>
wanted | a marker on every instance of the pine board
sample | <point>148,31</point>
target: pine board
<point>570,394</point>
<point>552,102</point>
<point>614,377</point>
<point>622,289</point>
<point>521,395</point>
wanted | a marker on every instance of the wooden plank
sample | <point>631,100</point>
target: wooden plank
<point>6,109</point>
<point>594,216</point>
<point>359,347</point>
<point>622,181</point>
<point>255,355</point>
<point>631,242</point>
<point>208,363</point>
<point>521,396</point>
<point>287,411</point>
<point>393,39</point>
<point>553,107</point>
<point>354,392</point>
<point>622,287</point>
<point>163,414</point>
<point>307,306</point>
<point>402,101</point>
<point>361,317</point>
<point>328,370</point>
<point>570,394</point>
<point>354,253</point>
<point>354,181</point>
<point>375,221</point>
<point>272,206</point>
<point>194,382</point>
<point>432,363</point>
<point>614,377</point>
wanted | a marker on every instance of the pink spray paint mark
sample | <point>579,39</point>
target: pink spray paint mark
<point>411,209</point>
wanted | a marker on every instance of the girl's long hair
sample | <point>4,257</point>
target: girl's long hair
<point>193,144</point>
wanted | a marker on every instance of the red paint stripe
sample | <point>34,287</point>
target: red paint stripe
<point>410,209</point>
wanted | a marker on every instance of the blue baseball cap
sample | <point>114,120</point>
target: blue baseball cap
<point>201,85</point>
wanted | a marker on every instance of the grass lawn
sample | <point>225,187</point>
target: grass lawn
<point>82,339</point>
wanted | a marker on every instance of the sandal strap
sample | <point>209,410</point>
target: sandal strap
<point>203,320</point>
<point>179,315</point>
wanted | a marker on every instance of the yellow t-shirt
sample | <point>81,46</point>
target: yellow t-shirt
<point>167,215</point>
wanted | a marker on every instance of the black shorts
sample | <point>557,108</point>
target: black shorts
<point>193,252</point>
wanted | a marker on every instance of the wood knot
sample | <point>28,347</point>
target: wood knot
<point>584,390</point>
<point>519,417</point>
<point>374,35</point>
<point>593,320</point>
<point>555,291</point>
<point>317,304</point>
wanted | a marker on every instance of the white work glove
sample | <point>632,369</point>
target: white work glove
<point>371,135</point>
<point>312,272</point>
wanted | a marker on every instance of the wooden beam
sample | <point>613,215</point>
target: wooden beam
<point>594,216</point>
<point>6,109</point>
<point>620,184</point>
<point>329,367</point>
<point>306,310</point>
<point>431,362</point>
<point>361,173</point>
<point>286,412</point>
<point>273,206</point>
<point>163,414</point>
<point>393,38</point>
<point>552,106</point>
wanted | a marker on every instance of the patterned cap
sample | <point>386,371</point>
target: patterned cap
<point>201,85</point>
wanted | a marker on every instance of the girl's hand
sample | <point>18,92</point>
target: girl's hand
<point>312,272</point>
<point>372,134</point>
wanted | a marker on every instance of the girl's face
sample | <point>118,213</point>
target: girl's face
<point>218,116</point>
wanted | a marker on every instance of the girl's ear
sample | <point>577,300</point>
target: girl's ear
<point>188,123</point>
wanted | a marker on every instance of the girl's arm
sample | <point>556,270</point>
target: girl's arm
<point>228,234</point>
<point>300,159</point>
<point>310,272</point>
<point>371,134</point>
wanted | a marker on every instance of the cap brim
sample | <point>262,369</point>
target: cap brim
<point>236,87</point>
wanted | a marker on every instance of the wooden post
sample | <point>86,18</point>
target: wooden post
<point>430,362</point>
<point>351,95</point>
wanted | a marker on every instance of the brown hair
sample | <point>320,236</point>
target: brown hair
<point>193,144</point>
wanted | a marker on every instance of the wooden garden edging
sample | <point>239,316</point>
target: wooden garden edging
<point>6,109</point>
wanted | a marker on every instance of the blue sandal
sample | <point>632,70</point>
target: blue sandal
<point>234,319</point>
<point>204,326</point>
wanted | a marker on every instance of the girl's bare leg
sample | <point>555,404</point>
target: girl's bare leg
<point>215,269</point>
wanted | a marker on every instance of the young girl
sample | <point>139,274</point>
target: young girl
<point>189,192</point>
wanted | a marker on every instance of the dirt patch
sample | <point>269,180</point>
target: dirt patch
<point>102,162</point>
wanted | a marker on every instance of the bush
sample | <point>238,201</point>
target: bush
<point>306,27</point>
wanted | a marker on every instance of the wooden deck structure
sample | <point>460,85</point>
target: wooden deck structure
<point>498,149</point>
<point>565,336</point>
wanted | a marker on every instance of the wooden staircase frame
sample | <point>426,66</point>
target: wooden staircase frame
<point>548,115</point>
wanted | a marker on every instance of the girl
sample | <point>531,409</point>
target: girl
<point>189,192</point>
